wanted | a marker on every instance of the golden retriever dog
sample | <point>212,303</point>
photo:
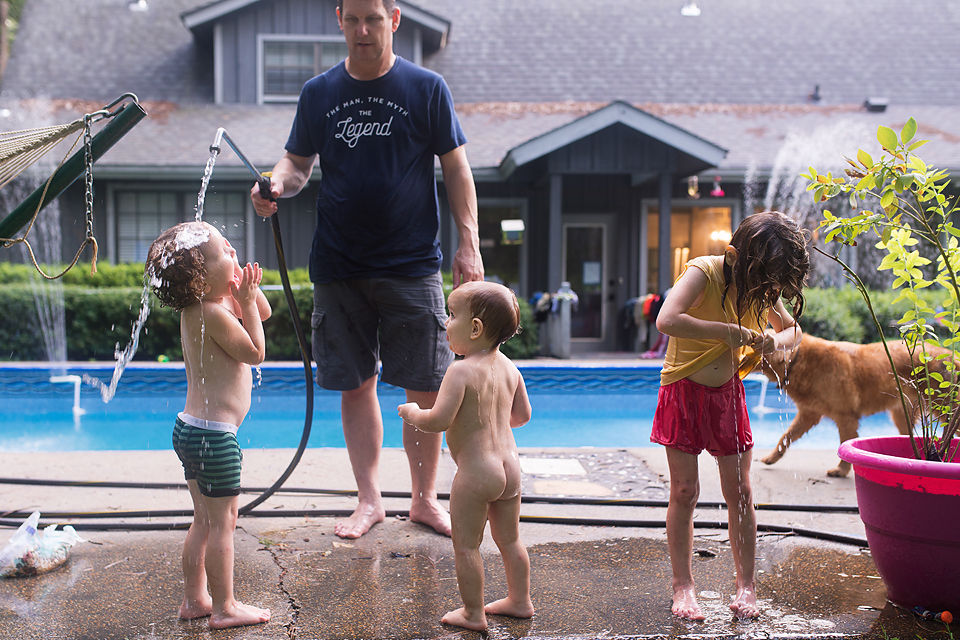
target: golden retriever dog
<point>845,382</point>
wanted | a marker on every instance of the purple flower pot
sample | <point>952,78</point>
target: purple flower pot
<point>911,510</point>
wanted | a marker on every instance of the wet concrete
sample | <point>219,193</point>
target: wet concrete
<point>399,579</point>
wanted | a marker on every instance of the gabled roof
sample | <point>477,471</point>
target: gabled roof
<point>101,49</point>
<point>433,28</point>
<point>618,112</point>
<point>734,52</point>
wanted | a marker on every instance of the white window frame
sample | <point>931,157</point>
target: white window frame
<point>262,39</point>
<point>522,204</point>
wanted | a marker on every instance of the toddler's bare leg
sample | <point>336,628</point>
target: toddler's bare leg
<point>227,611</point>
<point>196,601</point>
<point>684,491</point>
<point>738,494</point>
<point>469,514</point>
<point>505,528</point>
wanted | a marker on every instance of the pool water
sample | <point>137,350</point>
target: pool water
<point>572,407</point>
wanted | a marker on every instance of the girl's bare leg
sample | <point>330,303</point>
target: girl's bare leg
<point>196,601</point>
<point>227,611</point>
<point>684,491</point>
<point>738,494</point>
<point>505,528</point>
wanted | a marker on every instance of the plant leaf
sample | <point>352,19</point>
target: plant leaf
<point>908,131</point>
<point>887,138</point>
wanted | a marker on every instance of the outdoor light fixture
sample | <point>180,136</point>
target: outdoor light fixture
<point>717,192</point>
<point>721,235</point>
<point>690,10</point>
<point>138,5</point>
<point>693,187</point>
<point>512,231</point>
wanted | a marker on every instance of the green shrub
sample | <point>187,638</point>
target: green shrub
<point>524,345</point>
<point>827,314</point>
<point>100,319</point>
<point>842,314</point>
<point>115,275</point>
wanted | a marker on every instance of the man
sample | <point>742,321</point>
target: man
<point>376,121</point>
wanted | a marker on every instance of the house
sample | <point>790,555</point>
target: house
<point>610,140</point>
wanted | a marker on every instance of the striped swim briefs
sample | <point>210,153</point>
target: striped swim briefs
<point>212,458</point>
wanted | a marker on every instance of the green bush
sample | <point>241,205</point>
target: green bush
<point>100,321</point>
<point>842,314</point>
<point>524,345</point>
<point>114,275</point>
<point>100,316</point>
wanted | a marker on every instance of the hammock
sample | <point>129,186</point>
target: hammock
<point>20,149</point>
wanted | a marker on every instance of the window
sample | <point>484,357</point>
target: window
<point>694,232</point>
<point>502,260</point>
<point>227,212</point>
<point>142,216</point>
<point>288,64</point>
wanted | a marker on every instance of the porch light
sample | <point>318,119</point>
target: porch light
<point>717,192</point>
<point>138,5</point>
<point>693,187</point>
<point>512,231</point>
<point>721,235</point>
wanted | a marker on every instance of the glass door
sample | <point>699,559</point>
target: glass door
<point>585,266</point>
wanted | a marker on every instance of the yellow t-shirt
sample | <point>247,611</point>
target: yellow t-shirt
<point>686,356</point>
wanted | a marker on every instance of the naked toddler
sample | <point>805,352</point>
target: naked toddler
<point>481,399</point>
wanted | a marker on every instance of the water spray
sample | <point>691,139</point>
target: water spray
<point>264,183</point>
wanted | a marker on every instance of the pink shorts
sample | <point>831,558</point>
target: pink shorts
<point>691,417</point>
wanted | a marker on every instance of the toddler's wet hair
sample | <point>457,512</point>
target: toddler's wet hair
<point>496,306</point>
<point>174,268</point>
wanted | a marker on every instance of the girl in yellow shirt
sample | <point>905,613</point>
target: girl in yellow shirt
<point>722,315</point>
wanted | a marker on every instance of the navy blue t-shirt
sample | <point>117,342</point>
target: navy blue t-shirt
<point>377,210</point>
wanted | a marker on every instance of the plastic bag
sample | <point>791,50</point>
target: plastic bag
<point>30,552</point>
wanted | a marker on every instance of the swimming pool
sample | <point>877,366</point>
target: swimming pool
<point>573,406</point>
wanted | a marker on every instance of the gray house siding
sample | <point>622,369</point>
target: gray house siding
<point>239,33</point>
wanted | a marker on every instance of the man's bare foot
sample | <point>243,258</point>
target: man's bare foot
<point>429,512</point>
<point>191,609</point>
<point>508,607</point>
<point>459,618</point>
<point>360,521</point>
<point>685,604</point>
<point>240,615</point>
<point>745,604</point>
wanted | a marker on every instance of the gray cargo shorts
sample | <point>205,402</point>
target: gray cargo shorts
<point>399,322</point>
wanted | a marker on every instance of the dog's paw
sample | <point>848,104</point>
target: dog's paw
<point>839,472</point>
<point>771,458</point>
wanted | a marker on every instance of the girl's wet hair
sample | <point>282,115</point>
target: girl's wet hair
<point>772,262</point>
<point>174,269</point>
<point>496,306</point>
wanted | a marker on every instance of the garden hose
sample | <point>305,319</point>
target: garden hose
<point>263,180</point>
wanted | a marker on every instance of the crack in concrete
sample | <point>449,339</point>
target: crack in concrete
<point>294,605</point>
<point>269,547</point>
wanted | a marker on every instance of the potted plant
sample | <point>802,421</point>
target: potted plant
<point>908,487</point>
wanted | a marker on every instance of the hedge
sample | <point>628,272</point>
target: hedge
<point>100,315</point>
